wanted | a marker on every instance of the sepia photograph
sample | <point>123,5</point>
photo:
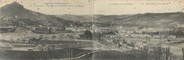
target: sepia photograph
<point>91,30</point>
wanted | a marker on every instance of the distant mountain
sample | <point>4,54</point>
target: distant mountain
<point>15,13</point>
<point>75,18</point>
<point>109,18</point>
<point>144,20</point>
<point>88,18</point>
<point>152,19</point>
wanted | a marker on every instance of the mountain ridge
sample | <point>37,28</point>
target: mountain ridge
<point>16,13</point>
<point>146,19</point>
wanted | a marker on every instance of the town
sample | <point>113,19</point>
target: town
<point>41,36</point>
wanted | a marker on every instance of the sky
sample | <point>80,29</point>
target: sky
<point>106,7</point>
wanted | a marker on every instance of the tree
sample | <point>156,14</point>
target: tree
<point>53,37</point>
<point>88,35</point>
<point>41,37</point>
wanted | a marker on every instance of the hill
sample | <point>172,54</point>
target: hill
<point>15,14</point>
